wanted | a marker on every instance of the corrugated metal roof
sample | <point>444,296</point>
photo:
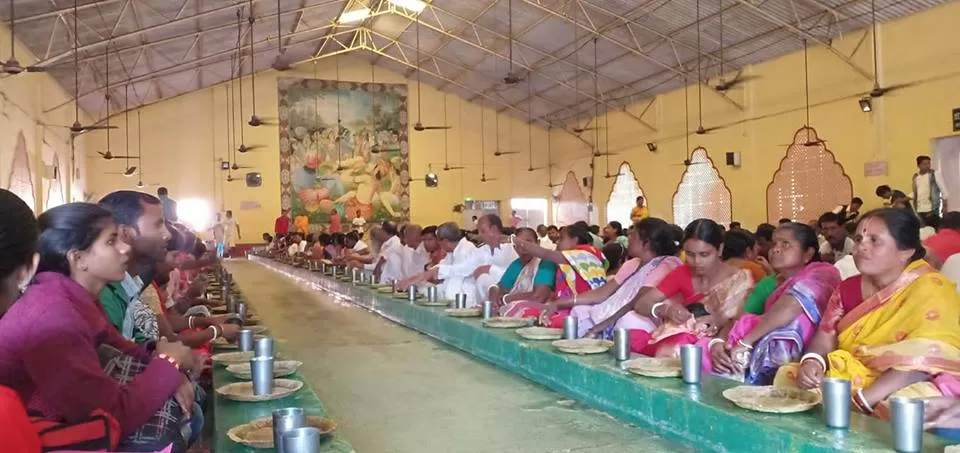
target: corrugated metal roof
<point>162,47</point>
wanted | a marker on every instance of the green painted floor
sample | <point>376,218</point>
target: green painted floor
<point>394,390</point>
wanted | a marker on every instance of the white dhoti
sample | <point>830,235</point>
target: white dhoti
<point>450,287</point>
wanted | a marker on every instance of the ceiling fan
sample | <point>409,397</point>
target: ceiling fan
<point>446,149</point>
<point>78,128</point>
<point>686,127</point>
<point>512,77</point>
<point>418,126</point>
<point>126,119</point>
<point>243,147</point>
<point>806,92</point>
<point>550,184</point>
<point>500,152</point>
<point>530,167</point>
<point>878,90</point>
<point>139,153</point>
<point>723,84</point>
<point>255,121</point>
<point>700,129</point>
<point>12,66</point>
<point>282,62</point>
<point>596,88</point>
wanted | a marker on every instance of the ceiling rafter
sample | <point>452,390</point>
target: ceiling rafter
<point>404,60</point>
<point>516,37</point>
<point>178,68</point>
<point>447,38</point>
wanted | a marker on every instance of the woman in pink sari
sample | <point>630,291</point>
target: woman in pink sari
<point>694,301</point>
<point>758,345</point>
<point>653,248</point>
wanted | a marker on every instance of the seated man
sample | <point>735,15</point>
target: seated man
<point>494,256</point>
<point>455,270</point>
<point>415,255</point>
<point>837,243</point>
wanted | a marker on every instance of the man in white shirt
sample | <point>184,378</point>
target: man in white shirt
<point>837,243</point>
<point>928,194</point>
<point>456,269</point>
<point>415,255</point>
<point>230,226</point>
<point>358,223</point>
<point>495,255</point>
<point>544,239</point>
<point>388,264</point>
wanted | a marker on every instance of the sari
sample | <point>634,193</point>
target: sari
<point>723,302</point>
<point>910,325</point>
<point>522,279</point>
<point>585,269</point>
<point>811,288</point>
<point>632,278</point>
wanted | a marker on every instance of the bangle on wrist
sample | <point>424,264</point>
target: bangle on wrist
<point>170,360</point>
<point>815,357</point>
<point>190,322</point>
<point>653,310</point>
<point>861,402</point>
<point>216,333</point>
<point>743,344</point>
<point>713,342</point>
<point>574,300</point>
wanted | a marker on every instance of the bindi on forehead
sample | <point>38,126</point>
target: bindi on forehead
<point>871,226</point>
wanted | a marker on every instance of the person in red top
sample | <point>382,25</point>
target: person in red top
<point>946,242</point>
<point>281,226</point>
<point>335,226</point>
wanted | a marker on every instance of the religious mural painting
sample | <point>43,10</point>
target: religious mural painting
<point>360,165</point>
<point>809,181</point>
<point>702,193</point>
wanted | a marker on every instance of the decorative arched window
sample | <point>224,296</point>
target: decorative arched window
<point>623,196</point>
<point>809,181</point>
<point>571,204</point>
<point>55,192</point>
<point>21,179</point>
<point>702,193</point>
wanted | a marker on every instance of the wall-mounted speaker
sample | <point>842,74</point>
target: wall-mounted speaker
<point>733,159</point>
<point>254,179</point>
<point>588,181</point>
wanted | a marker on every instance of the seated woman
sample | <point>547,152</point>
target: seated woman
<point>694,301</point>
<point>613,234</point>
<point>892,330</point>
<point>739,250</point>
<point>581,266</point>
<point>49,339</point>
<point>758,344</point>
<point>653,249</point>
<point>526,284</point>
<point>615,254</point>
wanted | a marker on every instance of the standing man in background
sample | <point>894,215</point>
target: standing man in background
<point>281,226</point>
<point>169,206</point>
<point>217,230</point>
<point>301,224</point>
<point>928,194</point>
<point>358,223</point>
<point>229,225</point>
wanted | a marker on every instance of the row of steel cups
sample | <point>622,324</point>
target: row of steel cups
<point>261,365</point>
<point>906,414</point>
<point>291,433</point>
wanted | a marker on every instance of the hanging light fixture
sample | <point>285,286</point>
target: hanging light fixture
<point>866,104</point>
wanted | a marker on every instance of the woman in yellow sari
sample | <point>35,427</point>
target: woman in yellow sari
<point>894,330</point>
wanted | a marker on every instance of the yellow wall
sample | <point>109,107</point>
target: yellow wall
<point>23,101</point>
<point>919,49</point>
<point>184,138</point>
